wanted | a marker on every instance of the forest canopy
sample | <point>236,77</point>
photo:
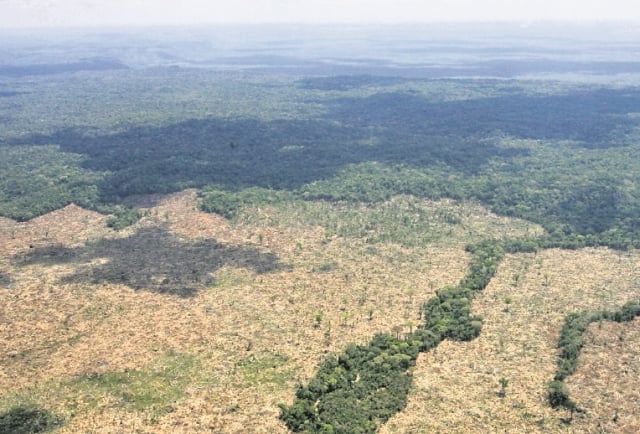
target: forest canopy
<point>558,154</point>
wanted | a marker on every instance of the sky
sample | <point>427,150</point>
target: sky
<point>93,13</point>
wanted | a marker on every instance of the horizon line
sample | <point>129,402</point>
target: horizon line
<point>516,22</point>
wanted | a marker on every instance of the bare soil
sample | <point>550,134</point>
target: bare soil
<point>258,306</point>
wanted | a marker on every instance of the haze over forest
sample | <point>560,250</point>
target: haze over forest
<point>91,13</point>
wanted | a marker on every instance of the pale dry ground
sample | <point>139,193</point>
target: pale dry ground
<point>607,384</point>
<point>61,318</point>
<point>456,386</point>
<point>255,292</point>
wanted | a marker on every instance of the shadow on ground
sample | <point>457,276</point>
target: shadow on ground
<point>153,259</point>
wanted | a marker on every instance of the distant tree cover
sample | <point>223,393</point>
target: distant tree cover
<point>565,156</point>
<point>348,82</point>
<point>571,342</point>
<point>123,217</point>
<point>227,203</point>
<point>35,180</point>
<point>95,64</point>
<point>362,387</point>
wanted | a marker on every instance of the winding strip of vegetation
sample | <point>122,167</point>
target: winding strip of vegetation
<point>571,342</point>
<point>361,388</point>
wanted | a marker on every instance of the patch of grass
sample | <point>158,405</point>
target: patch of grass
<point>99,311</point>
<point>265,369</point>
<point>152,389</point>
<point>228,277</point>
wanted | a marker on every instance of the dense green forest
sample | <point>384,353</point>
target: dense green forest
<point>558,154</point>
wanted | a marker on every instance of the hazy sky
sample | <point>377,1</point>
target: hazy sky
<point>26,13</point>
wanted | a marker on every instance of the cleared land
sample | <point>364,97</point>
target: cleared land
<point>186,322</point>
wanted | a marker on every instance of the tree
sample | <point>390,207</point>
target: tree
<point>503,387</point>
<point>559,396</point>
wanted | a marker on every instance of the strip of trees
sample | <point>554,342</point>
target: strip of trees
<point>362,387</point>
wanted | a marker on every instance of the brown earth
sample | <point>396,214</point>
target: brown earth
<point>457,386</point>
<point>258,306</point>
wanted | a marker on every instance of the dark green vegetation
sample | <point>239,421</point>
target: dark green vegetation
<point>28,420</point>
<point>96,64</point>
<point>448,315</point>
<point>228,204</point>
<point>564,156</point>
<point>37,179</point>
<point>357,390</point>
<point>571,342</point>
<point>365,385</point>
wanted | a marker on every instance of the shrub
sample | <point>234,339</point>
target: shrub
<point>28,419</point>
